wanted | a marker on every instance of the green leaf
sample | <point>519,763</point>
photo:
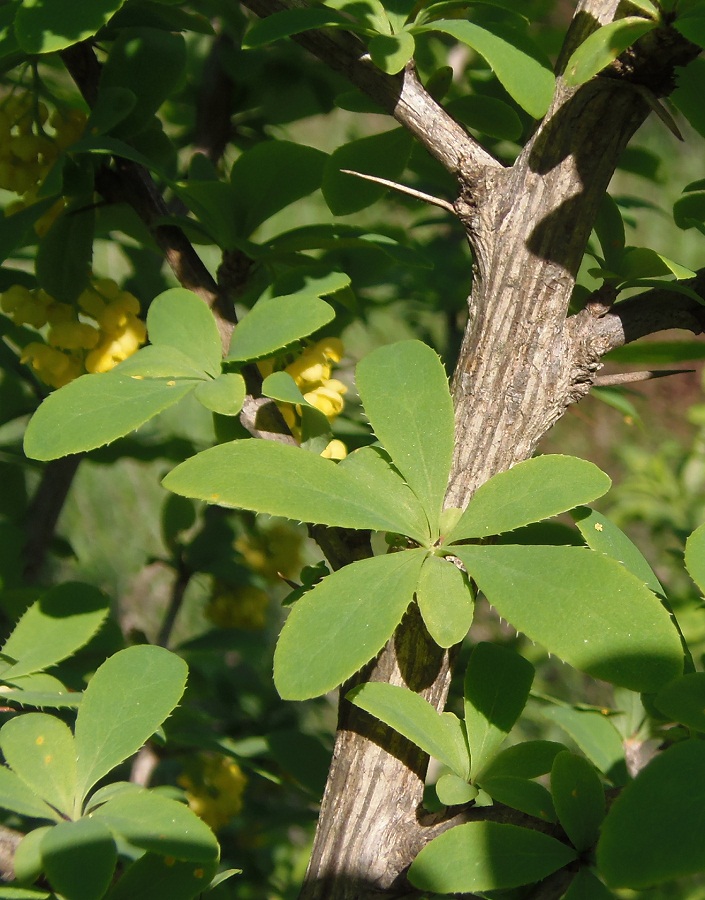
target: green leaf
<point>27,861</point>
<point>281,480</point>
<point>658,352</point>
<point>15,229</point>
<point>225,395</point>
<point>692,27</point>
<point>372,467</point>
<point>689,210</point>
<point>357,608</point>
<point>65,252</point>
<point>497,685</point>
<point>439,735</point>
<point>445,600</point>
<point>112,105</point>
<point>603,536</point>
<point>277,321</point>
<point>106,145</point>
<point>150,62</point>
<point>609,228</point>
<point>159,824</point>
<point>485,856</point>
<point>160,362</point>
<point>384,155</point>
<point>487,115</point>
<point>177,318</point>
<point>404,390</point>
<point>112,725</point>
<point>579,799</point>
<point>16,796</point>
<point>41,750</point>
<point>79,859</point>
<point>653,831</point>
<point>596,736</point>
<point>695,557</point>
<point>391,52</point>
<point>518,64</point>
<point>642,262</point>
<point>64,619</point>
<point>452,790</point>
<point>585,608</point>
<point>586,886</point>
<point>688,94</point>
<point>529,759</point>
<point>530,491</point>
<point>154,877</point>
<point>15,893</point>
<point>683,700</point>
<point>274,174</point>
<point>293,21</point>
<point>519,793</point>
<point>94,410</point>
<point>603,46</point>
<point>45,26</point>
<point>646,6</point>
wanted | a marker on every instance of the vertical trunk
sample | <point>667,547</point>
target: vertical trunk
<point>519,369</point>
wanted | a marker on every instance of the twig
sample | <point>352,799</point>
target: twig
<point>632,377</point>
<point>403,189</point>
<point>178,590</point>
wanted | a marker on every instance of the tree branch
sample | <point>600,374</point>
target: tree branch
<point>402,96</point>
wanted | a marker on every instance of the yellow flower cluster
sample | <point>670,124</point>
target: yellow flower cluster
<point>243,607</point>
<point>215,792</point>
<point>312,373</point>
<point>74,346</point>
<point>28,150</point>
<point>271,552</point>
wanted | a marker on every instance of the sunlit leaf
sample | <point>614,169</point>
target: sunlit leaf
<point>445,600</point>
<point>603,46</point>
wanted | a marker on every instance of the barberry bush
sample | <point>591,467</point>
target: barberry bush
<point>277,493</point>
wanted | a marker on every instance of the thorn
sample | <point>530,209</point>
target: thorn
<point>631,377</point>
<point>403,189</point>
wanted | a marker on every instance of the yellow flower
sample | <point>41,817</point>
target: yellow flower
<point>335,450</point>
<point>238,607</point>
<point>23,306</point>
<point>215,790</point>
<point>328,397</point>
<point>310,369</point>
<point>271,552</point>
<point>73,336</point>
<point>51,365</point>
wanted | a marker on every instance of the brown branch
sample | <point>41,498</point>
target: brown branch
<point>402,96</point>
<point>634,377</point>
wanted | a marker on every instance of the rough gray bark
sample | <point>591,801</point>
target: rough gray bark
<point>521,365</point>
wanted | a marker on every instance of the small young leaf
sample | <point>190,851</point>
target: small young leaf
<point>603,535</point>
<point>642,262</point>
<point>445,600</point>
<point>650,835</point>
<point>586,886</point>
<point>58,624</point>
<point>683,700</point>
<point>441,736</point>
<point>519,793</point>
<point>45,26</point>
<point>384,155</point>
<point>225,395</point>
<point>177,318</point>
<point>688,94</point>
<point>601,47</point>
<point>79,859</point>
<point>154,877</point>
<point>515,60</point>
<point>529,759</point>
<point>404,390</point>
<point>17,797</point>
<point>530,491</point>
<point>486,856</point>
<point>579,799</point>
<point>695,557</point>
<point>111,725</point>
<point>357,608</point>
<point>452,790</point>
<point>94,410</point>
<point>585,608</point>
<point>391,52</point>
<point>596,736</point>
<point>159,824</point>
<point>497,685</point>
<point>41,750</point>
<point>281,480</point>
<point>27,861</point>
